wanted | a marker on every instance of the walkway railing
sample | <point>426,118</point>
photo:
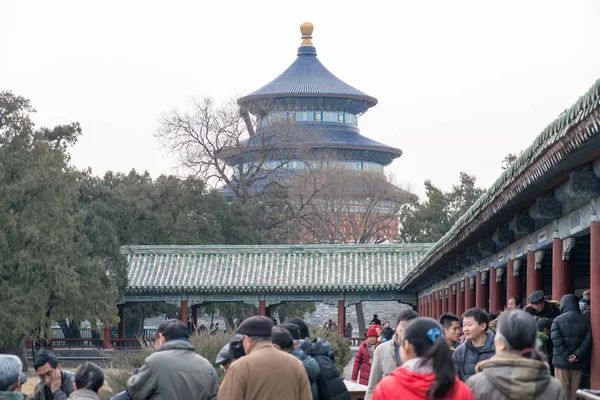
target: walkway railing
<point>588,394</point>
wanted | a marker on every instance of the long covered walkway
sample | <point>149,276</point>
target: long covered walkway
<point>536,228</point>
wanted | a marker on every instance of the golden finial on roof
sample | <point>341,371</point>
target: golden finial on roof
<point>306,29</point>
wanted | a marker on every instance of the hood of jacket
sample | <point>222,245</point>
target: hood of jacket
<point>177,344</point>
<point>319,347</point>
<point>516,377</point>
<point>12,396</point>
<point>569,302</point>
<point>412,381</point>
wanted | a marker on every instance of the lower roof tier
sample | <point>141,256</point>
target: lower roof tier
<point>343,142</point>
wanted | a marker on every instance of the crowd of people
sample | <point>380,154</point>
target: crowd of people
<point>472,357</point>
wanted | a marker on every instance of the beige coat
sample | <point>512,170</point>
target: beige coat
<point>266,373</point>
<point>510,377</point>
<point>384,363</point>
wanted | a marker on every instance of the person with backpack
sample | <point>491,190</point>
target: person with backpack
<point>330,384</point>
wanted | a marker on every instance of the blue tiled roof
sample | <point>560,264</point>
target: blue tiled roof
<point>338,137</point>
<point>307,77</point>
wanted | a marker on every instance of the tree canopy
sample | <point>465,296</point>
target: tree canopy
<point>428,220</point>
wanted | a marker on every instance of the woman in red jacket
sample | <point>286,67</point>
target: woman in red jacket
<point>364,357</point>
<point>427,370</point>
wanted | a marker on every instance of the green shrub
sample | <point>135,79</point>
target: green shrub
<point>340,346</point>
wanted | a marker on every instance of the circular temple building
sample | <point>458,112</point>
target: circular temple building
<point>307,120</point>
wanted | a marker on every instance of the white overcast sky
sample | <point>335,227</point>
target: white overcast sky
<point>460,83</point>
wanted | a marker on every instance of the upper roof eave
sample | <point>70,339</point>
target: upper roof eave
<point>552,134</point>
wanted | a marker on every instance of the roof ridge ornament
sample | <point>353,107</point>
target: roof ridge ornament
<point>307,29</point>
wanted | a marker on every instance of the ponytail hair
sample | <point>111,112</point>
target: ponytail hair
<point>427,337</point>
<point>518,330</point>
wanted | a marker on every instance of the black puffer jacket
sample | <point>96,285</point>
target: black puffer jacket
<point>466,357</point>
<point>329,383</point>
<point>571,335</point>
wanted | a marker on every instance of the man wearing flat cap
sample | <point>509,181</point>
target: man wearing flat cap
<point>540,307</point>
<point>11,377</point>
<point>265,372</point>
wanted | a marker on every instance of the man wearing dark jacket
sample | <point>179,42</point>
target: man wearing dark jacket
<point>479,345</point>
<point>283,338</point>
<point>330,384</point>
<point>540,307</point>
<point>55,384</point>
<point>572,339</point>
<point>174,371</point>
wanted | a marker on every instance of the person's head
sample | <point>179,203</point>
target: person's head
<point>89,376</point>
<point>517,333</point>
<point>11,377</point>
<point>544,325</point>
<point>372,336</point>
<point>513,303</point>
<point>45,365</point>
<point>171,329</point>
<point>304,331</point>
<point>402,321</point>
<point>255,329</point>
<point>424,338</point>
<point>451,325</point>
<point>537,300</point>
<point>282,339</point>
<point>386,324</point>
<point>294,330</point>
<point>375,316</point>
<point>475,323</point>
<point>586,295</point>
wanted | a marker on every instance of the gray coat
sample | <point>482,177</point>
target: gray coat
<point>509,377</point>
<point>84,394</point>
<point>466,357</point>
<point>384,363</point>
<point>175,371</point>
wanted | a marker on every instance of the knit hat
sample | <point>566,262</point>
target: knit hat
<point>372,332</point>
<point>536,296</point>
<point>293,329</point>
<point>256,326</point>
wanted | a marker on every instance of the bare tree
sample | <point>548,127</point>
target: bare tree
<point>206,137</point>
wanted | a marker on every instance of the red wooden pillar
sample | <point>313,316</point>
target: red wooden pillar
<point>440,303</point>
<point>121,308</point>
<point>562,273</point>
<point>106,342</point>
<point>496,293</point>
<point>341,317</point>
<point>444,301</point>
<point>184,312</point>
<point>451,299</point>
<point>513,283</point>
<point>194,318</point>
<point>482,294</point>
<point>460,299</point>
<point>469,294</point>
<point>262,308</point>
<point>535,279</point>
<point>429,305</point>
<point>595,300</point>
<point>436,310</point>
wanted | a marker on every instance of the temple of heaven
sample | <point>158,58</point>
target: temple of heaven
<point>307,118</point>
